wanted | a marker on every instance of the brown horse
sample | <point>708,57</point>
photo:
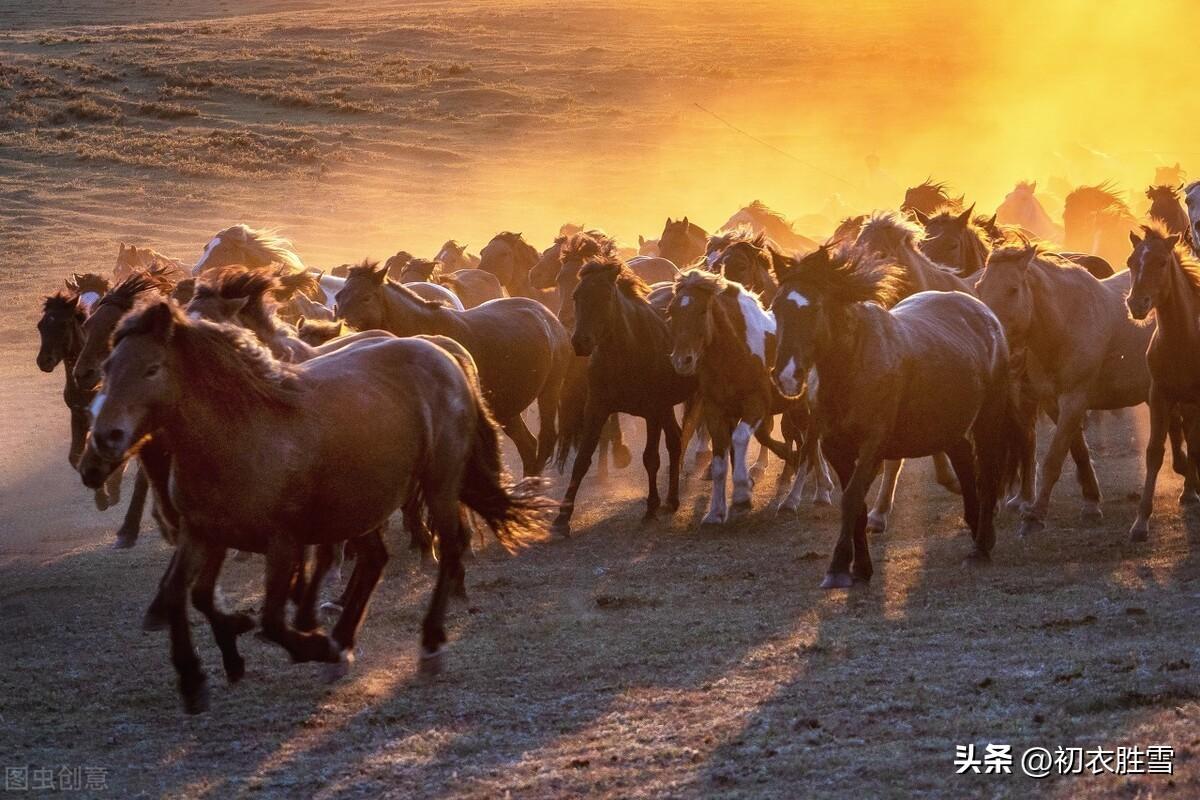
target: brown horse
<point>1166,279</point>
<point>270,457</point>
<point>474,287</point>
<point>956,241</point>
<point>1097,221</point>
<point>131,259</point>
<point>1022,210</point>
<point>873,369</point>
<point>743,257</point>
<point>1166,208</point>
<point>522,351</point>
<point>722,335</point>
<point>454,256</point>
<point>629,371</point>
<point>1079,350</point>
<point>682,242</point>
<point>762,219</point>
<point>928,198</point>
<point>509,257</point>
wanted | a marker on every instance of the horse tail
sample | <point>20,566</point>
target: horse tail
<point>572,404</point>
<point>1001,438</point>
<point>516,513</point>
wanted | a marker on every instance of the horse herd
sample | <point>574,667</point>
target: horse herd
<point>275,409</point>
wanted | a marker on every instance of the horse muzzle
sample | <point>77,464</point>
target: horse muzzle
<point>685,363</point>
<point>47,363</point>
<point>95,468</point>
<point>583,345</point>
<point>1139,307</point>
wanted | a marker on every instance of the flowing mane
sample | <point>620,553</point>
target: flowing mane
<point>586,245</point>
<point>1190,266</point>
<point>371,270</point>
<point>1096,199</point>
<point>126,293</point>
<point>426,268</point>
<point>226,360</point>
<point>83,282</point>
<point>615,270</point>
<point>289,283</point>
<point>704,281</point>
<point>238,282</point>
<point>62,301</point>
<point>929,196</point>
<point>518,243</point>
<point>266,244</point>
<point>844,275</point>
<point>742,233</point>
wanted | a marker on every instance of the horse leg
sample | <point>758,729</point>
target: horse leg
<point>1071,409</point>
<point>1022,497</point>
<point>1160,412</point>
<point>127,535</point>
<point>225,627</point>
<point>791,503</point>
<point>855,477</point>
<point>674,457</point>
<point>1183,464</point>
<point>193,685</point>
<point>305,618</point>
<point>877,520</point>
<point>718,429</point>
<point>282,557</point>
<point>823,492</point>
<point>944,473</point>
<point>368,568</point>
<point>79,432</point>
<point>547,437</point>
<point>615,437</point>
<point>445,518</point>
<point>1089,486</point>
<point>743,481</point>
<point>593,422</point>
<point>527,446</point>
<point>962,458</point>
<point>419,537</point>
<point>650,461</point>
<point>760,464</point>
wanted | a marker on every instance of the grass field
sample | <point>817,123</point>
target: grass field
<point>631,660</point>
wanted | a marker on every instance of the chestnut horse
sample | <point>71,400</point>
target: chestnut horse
<point>509,257</point>
<point>873,369</point>
<point>270,457</point>
<point>762,219</point>
<point>522,351</point>
<point>743,257</point>
<point>629,371</point>
<point>1165,278</point>
<point>474,287</point>
<point>1166,208</point>
<point>955,241</point>
<point>682,242</point>
<point>723,336</point>
<point>1079,350</point>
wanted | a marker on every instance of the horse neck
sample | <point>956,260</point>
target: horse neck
<point>407,314</point>
<point>918,266</point>
<point>623,336</point>
<point>1176,318</point>
<point>979,250</point>
<point>834,360</point>
<point>1048,329</point>
<point>728,348</point>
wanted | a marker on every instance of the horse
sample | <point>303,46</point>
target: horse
<point>131,259</point>
<point>522,351</point>
<point>473,287</point>
<point>760,218</point>
<point>1165,278</point>
<point>1022,210</point>
<point>848,229</point>
<point>272,457</point>
<point>314,332</point>
<point>1166,208</point>
<point>721,334</point>
<point>1097,221</point>
<point>889,235</point>
<point>627,344</point>
<point>956,241</point>
<point>454,256</point>
<point>868,371</point>
<point>509,257</point>
<point>1079,350</point>
<point>682,242</point>
<point>928,198</point>
<point>743,257</point>
<point>647,247</point>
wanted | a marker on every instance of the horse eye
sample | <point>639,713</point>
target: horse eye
<point>152,370</point>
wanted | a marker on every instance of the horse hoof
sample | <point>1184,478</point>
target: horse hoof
<point>1030,527</point>
<point>1190,497</point>
<point>712,519</point>
<point>786,509</point>
<point>196,700</point>
<point>331,608</point>
<point>561,528</point>
<point>242,555</point>
<point>876,523</point>
<point>837,580</point>
<point>431,663</point>
<point>124,541</point>
<point>101,500</point>
<point>334,671</point>
<point>235,669</point>
<point>621,457</point>
<point>823,498</point>
<point>1091,515</point>
<point>977,558</point>
<point>741,507</point>
<point>154,620</point>
<point>1139,533</point>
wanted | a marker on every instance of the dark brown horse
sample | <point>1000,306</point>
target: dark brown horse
<point>1165,278</point>
<point>522,351</point>
<point>956,241</point>
<point>509,257</point>
<point>930,197</point>
<point>1166,208</point>
<point>682,242</point>
<point>873,368</point>
<point>270,457</point>
<point>1097,221</point>
<point>743,257</point>
<point>629,371</point>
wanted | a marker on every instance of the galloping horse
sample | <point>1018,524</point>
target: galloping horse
<point>873,369</point>
<point>270,457</point>
<point>1080,352</point>
<point>131,259</point>
<point>629,371</point>
<point>522,351</point>
<point>1166,278</point>
<point>928,198</point>
<point>682,242</point>
<point>1097,221</point>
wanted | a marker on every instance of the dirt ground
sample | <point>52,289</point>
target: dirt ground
<point>631,660</point>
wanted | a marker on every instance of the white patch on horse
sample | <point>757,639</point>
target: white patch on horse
<point>712,258</point>
<point>759,324</point>
<point>87,299</point>
<point>97,404</point>
<point>797,299</point>
<point>443,255</point>
<point>213,245</point>
<point>683,301</point>
<point>787,378</point>
<point>330,286</point>
<point>813,382</point>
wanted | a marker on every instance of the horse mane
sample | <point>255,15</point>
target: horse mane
<point>1156,231</point>
<point>235,282</point>
<point>230,358</point>
<point>83,282</point>
<point>370,269</point>
<point>712,282</point>
<point>935,193</point>
<point>62,301</point>
<point>845,275</point>
<point>1162,191</point>
<point>517,241</point>
<point>891,226</point>
<point>289,283</point>
<point>129,291</point>
<point>1096,198</point>
<point>740,234</point>
<point>586,245</point>
<point>427,266</point>
<point>618,272</point>
<point>265,243</point>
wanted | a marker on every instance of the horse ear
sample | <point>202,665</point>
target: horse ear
<point>380,273</point>
<point>685,222</point>
<point>921,216</point>
<point>965,216</point>
<point>1173,240</point>
<point>641,240</point>
<point>991,221</point>
<point>668,223</point>
<point>1033,186</point>
<point>300,323</point>
<point>781,265</point>
<point>1134,239</point>
<point>158,320</point>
